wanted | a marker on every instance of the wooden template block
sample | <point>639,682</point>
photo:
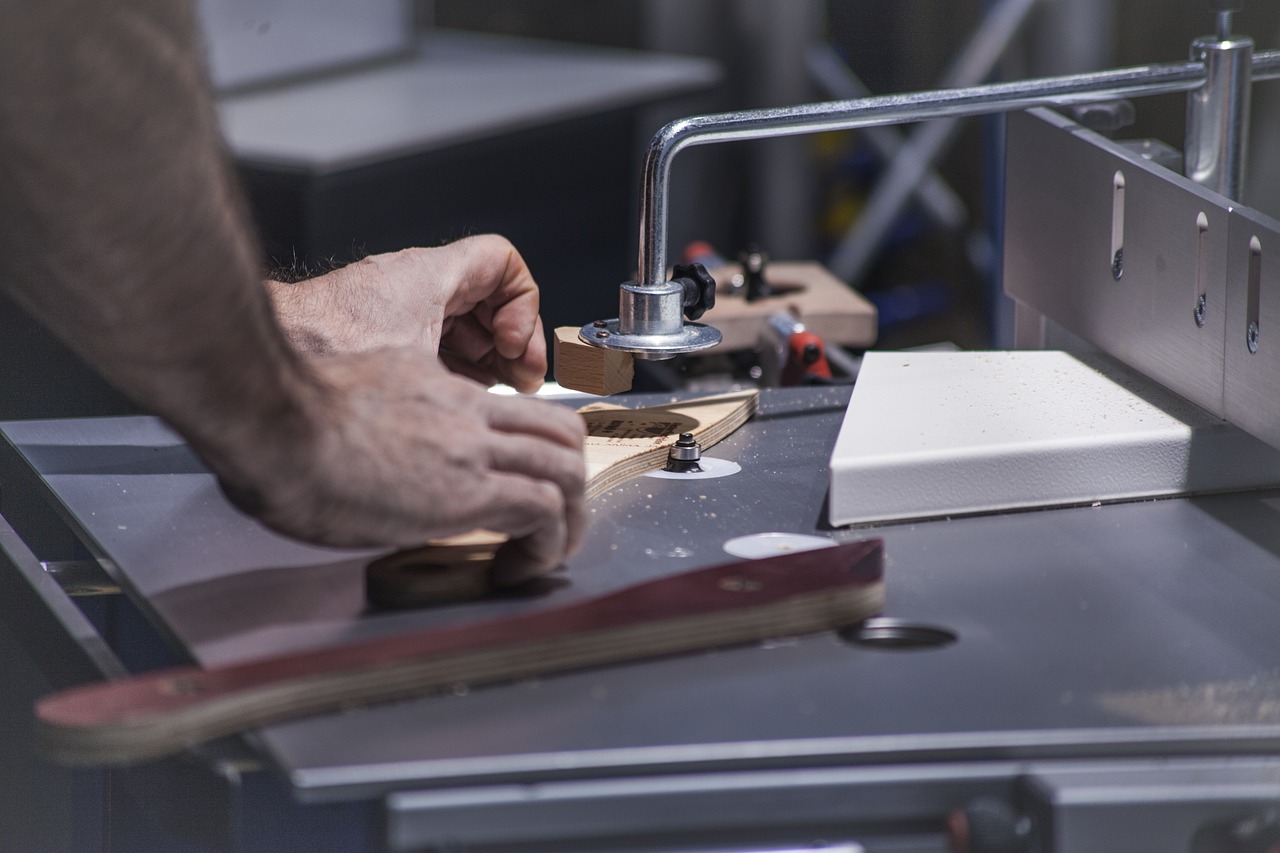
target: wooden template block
<point>591,370</point>
<point>826,305</point>
<point>621,443</point>
<point>158,713</point>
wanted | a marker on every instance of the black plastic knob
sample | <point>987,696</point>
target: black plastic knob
<point>699,289</point>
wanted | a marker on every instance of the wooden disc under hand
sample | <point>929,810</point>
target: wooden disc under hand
<point>416,578</point>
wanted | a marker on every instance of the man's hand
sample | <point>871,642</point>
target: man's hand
<point>399,451</point>
<point>474,302</point>
<point>123,231</point>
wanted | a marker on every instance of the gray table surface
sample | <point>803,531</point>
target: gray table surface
<point>458,88</point>
<point>1138,628</point>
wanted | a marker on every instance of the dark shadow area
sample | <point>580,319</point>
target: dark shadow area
<point>312,597</point>
<point>1253,515</point>
<point>774,409</point>
<point>562,194</point>
<point>114,459</point>
<point>274,597</point>
<point>43,378</point>
<point>533,588</point>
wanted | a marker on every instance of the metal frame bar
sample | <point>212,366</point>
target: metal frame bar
<point>650,332</point>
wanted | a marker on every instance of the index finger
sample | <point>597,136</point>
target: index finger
<point>494,274</point>
<point>550,421</point>
<point>468,340</point>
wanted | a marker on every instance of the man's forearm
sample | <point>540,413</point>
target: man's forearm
<point>121,228</point>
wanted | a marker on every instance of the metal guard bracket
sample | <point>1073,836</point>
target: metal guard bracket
<point>693,337</point>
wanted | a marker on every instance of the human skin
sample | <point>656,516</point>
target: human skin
<point>344,410</point>
<point>474,302</point>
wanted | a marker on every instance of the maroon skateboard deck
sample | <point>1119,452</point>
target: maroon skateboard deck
<point>158,713</point>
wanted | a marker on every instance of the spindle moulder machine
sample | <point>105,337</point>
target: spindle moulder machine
<point>1079,650</point>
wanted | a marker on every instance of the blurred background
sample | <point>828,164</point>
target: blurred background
<point>362,127</point>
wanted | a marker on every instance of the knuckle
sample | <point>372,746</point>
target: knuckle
<point>572,424</point>
<point>551,499</point>
<point>492,241</point>
<point>577,475</point>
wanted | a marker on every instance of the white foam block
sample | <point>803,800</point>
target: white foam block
<point>951,433</point>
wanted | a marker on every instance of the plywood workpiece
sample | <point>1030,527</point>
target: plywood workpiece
<point>591,370</point>
<point>158,713</point>
<point>808,291</point>
<point>621,443</point>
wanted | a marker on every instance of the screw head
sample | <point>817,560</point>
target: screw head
<point>737,583</point>
<point>1201,305</point>
<point>602,334</point>
<point>1251,338</point>
<point>1117,265</point>
<point>600,324</point>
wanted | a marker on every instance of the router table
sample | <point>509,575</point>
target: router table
<point>1076,672</point>
<point>1114,669</point>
